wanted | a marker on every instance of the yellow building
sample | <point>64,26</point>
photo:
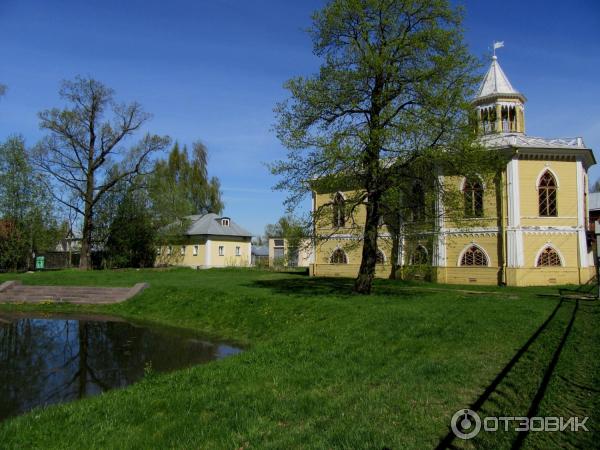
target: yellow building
<point>209,241</point>
<point>525,227</point>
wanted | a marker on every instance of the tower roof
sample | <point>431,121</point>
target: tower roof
<point>495,83</point>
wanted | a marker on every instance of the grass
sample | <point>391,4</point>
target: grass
<point>327,369</point>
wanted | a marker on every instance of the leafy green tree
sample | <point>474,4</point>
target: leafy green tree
<point>107,208</point>
<point>86,138</point>
<point>179,186</point>
<point>293,229</point>
<point>393,89</point>
<point>131,237</point>
<point>27,224</point>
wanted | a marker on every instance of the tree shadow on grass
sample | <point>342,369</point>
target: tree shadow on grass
<point>339,287</point>
<point>448,440</point>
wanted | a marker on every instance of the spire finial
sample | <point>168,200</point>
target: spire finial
<point>497,44</point>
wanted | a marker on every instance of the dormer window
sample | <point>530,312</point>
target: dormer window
<point>225,221</point>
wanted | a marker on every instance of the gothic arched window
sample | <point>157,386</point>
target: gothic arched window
<point>547,195</point>
<point>339,211</point>
<point>419,256</point>
<point>473,195</point>
<point>548,258</point>
<point>339,257</point>
<point>473,256</point>
<point>380,257</point>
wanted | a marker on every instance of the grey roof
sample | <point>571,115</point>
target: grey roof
<point>211,224</point>
<point>520,140</point>
<point>262,250</point>
<point>531,144</point>
<point>495,82</point>
<point>594,201</point>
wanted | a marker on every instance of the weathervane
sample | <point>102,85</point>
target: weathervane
<point>499,44</point>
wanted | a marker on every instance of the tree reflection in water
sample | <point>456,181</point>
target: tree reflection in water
<point>45,360</point>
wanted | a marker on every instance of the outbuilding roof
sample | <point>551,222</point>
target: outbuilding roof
<point>594,201</point>
<point>213,224</point>
<point>260,250</point>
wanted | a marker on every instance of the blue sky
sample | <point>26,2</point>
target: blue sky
<point>213,70</point>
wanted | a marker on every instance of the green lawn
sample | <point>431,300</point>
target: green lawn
<point>327,369</point>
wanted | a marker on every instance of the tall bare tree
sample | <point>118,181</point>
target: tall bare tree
<point>86,138</point>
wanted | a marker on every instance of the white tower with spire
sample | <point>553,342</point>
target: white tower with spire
<point>500,107</point>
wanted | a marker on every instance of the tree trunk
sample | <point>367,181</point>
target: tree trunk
<point>85,260</point>
<point>363,282</point>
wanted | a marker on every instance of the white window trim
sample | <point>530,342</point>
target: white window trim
<point>541,174</point>
<point>195,250</point>
<point>473,244</point>
<point>221,250</point>
<point>238,251</point>
<point>560,256</point>
<point>182,251</point>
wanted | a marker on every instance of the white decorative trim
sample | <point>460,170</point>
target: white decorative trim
<point>473,244</point>
<point>474,235</point>
<point>439,257</point>
<point>557,230</point>
<point>572,228</point>
<point>357,236</point>
<point>581,213</point>
<point>208,253</point>
<point>514,245</point>
<point>514,235</point>
<point>545,246</point>
<point>546,168</point>
<point>439,251</point>
<point>549,217</point>
<point>471,230</point>
<point>249,253</point>
<point>514,200</point>
<point>401,253</point>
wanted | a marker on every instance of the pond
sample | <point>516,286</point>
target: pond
<point>46,359</point>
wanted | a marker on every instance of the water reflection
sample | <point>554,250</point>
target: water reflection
<point>45,360</point>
